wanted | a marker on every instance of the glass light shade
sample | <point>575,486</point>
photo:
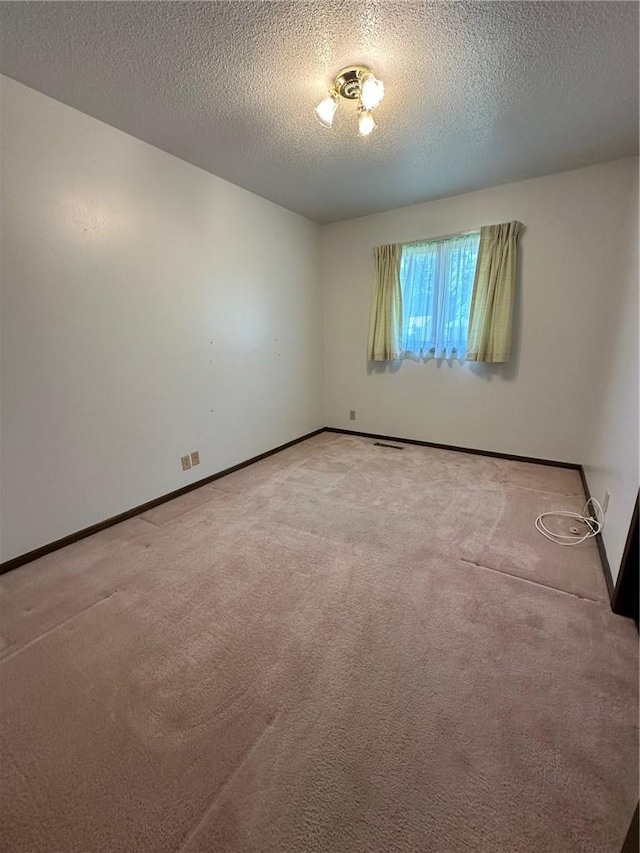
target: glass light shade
<point>326,110</point>
<point>371,92</point>
<point>366,124</point>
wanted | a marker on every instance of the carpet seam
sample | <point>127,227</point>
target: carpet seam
<point>184,512</point>
<point>195,830</point>
<point>528,580</point>
<point>4,658</point>
<point>544,491</point>
<point>31,791</point>
<point>403,512</point>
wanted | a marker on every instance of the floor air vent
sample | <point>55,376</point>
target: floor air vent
<point>392,446</point>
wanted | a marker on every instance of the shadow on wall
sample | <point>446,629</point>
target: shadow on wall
<point>507,370</point>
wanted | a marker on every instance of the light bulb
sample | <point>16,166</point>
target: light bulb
<point>371,92</point>
<point>326,110</point>
<point>365,123</point>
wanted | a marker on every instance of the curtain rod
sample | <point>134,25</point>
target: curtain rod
<point>443,237</point>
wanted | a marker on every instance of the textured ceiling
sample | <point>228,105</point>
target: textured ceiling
<point>477,94</point>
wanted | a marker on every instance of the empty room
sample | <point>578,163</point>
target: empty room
<point>319,427</point>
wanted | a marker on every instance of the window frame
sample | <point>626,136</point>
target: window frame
<point>441,340</point>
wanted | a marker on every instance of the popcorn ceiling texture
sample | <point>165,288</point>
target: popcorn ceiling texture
<point>477,94</point>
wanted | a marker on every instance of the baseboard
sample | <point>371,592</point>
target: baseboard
<point>43,550</point>
<point>476,452</point>
<point>602,551</point>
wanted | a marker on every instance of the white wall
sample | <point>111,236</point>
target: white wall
<point>543,403</point>
<point>148,309</point>
<point>612,455</point>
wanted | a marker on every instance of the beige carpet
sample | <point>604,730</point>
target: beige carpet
<point>342,649</point>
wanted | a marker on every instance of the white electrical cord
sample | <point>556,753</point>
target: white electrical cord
<point>593,522</point>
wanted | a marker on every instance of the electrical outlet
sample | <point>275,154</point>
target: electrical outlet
<point>195,457</point>
<point>605,502</point>
<point>352,415</point>
<point>186,463</point>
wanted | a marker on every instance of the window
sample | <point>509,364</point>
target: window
<point>436,279</point>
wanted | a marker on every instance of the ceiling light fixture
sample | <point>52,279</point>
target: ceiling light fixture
<point>366,124</point>
<point>326,110</point>
<point>354,83</point>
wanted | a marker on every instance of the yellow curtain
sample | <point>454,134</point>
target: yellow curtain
<point>385,321</point>
<point>491,315</point>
